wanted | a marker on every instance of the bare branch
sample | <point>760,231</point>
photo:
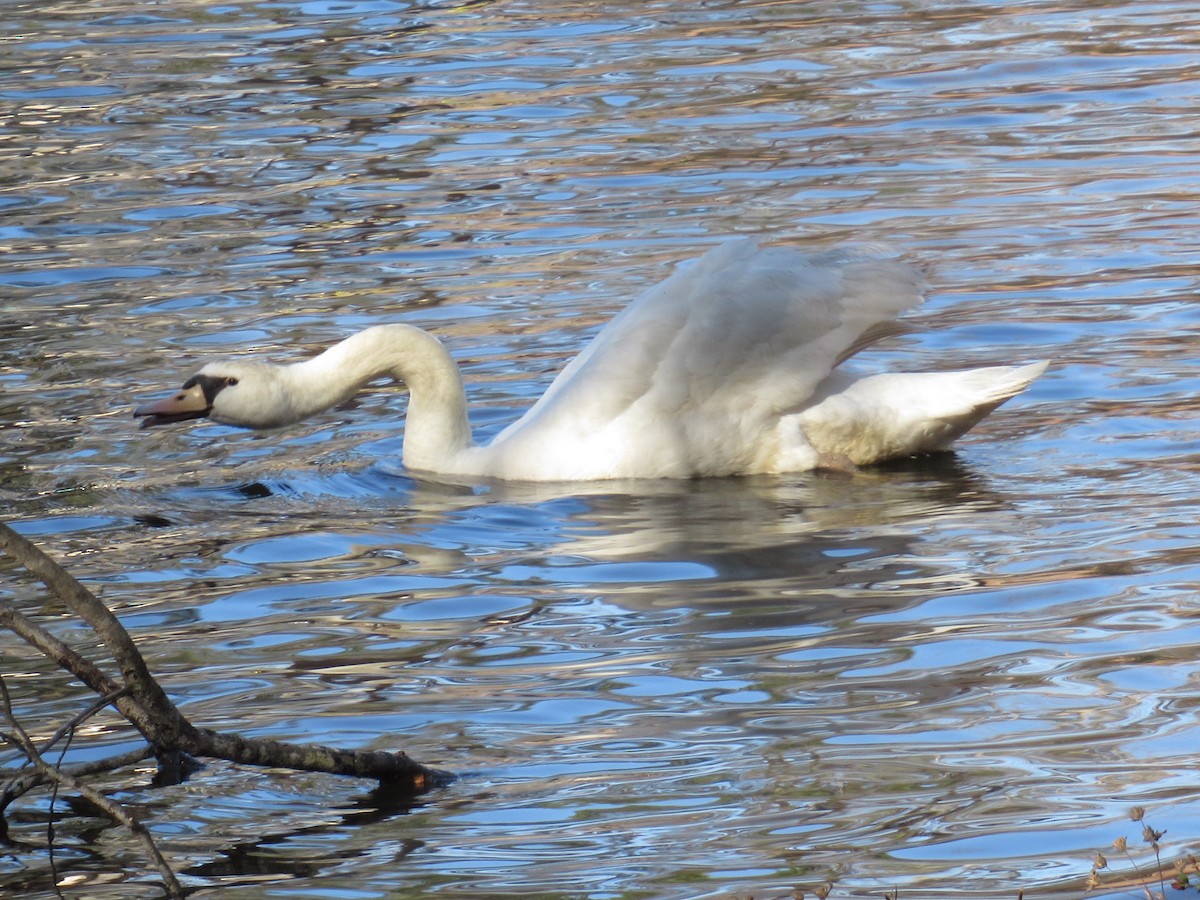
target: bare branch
<point>83,669</point>
<point>153,713</point>
<point>397,767</point>
<point>88,607</point>
<point>80,717</point>
<point>23,783</point>
<point>114,810</point>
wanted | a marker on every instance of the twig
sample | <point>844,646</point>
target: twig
<point>21,784</point>
<point>83,669</point>
<point>142,701</point>
<point>114,810</point>
<point>152,712</point>
<point>68,727</point>
<point>88,607</point>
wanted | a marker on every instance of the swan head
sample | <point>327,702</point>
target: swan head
<point>244,394</point>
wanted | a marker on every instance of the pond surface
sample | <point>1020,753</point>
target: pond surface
<point>952,677</point>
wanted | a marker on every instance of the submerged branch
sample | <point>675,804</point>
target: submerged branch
<point>66,658</point>
<point>21,784</point>
<point>86,605</point>
<point>148,708</point>
<point>114,810</point>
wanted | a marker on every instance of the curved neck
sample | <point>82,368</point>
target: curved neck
<point>436,426</point>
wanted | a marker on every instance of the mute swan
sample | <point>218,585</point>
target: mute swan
<point>725,368</point>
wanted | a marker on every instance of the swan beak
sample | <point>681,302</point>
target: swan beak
<point>189,403</point>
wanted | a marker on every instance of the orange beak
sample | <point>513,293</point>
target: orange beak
<point>189,403</point>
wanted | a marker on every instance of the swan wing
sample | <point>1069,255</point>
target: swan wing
<point>723,347</point>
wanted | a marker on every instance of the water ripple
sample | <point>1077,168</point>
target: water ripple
<point>954,675</point>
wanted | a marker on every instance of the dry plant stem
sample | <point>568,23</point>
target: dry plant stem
<point>150,710</point>
<point>83,669</point>
<point>69,726</point>
<point>114,810</point>
<point>88,607</point>
<point>22,784</point>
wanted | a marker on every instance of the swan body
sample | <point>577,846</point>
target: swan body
<point>728,367</point>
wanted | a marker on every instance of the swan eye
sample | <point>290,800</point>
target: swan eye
<point>230,382</point>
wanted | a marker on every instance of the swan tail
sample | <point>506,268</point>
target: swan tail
<point>895,415</point>
<point>993,385</point>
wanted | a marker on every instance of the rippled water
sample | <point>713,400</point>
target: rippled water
<point>952,677</point>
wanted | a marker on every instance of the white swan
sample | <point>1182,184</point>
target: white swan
<point>725,368</point>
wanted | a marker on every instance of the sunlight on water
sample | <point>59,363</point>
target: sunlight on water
<point>952,677</point>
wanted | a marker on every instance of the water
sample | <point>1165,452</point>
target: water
<point>951,678</point>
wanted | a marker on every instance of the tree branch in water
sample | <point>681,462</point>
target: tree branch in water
<point>139,698</point>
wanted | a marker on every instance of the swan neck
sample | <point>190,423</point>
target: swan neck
<point>436,428</point>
